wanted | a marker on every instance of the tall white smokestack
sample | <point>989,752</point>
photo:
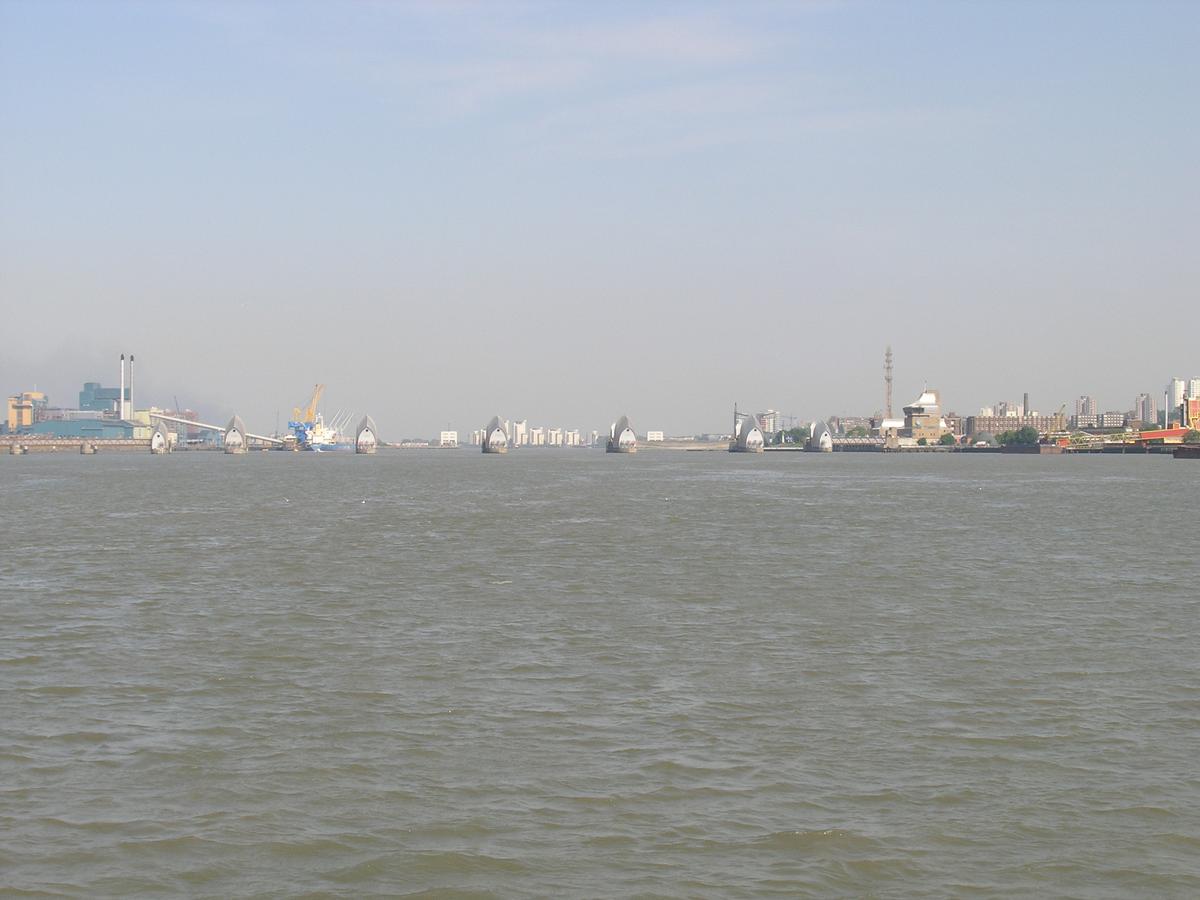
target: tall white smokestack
<point>129,405</point>
<point>121,395</point>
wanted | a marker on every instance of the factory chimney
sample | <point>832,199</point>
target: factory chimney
<point>129,404</point>
<point>121,394</point>
<point>1024,409</point>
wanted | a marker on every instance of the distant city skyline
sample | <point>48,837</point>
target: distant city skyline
<point>98,396</point>
<point>570,212</point>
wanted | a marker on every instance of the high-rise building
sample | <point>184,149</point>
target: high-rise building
<point>770,421</point>
<point>1176,388</point>
<point>1193,389</point>
<point>1145,409</point>
<point>1085,406</point>
<point>520,433</point>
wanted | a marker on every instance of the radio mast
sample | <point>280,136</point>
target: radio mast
<point>887,382</point>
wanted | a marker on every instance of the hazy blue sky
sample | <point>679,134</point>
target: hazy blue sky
<point>571,211</point>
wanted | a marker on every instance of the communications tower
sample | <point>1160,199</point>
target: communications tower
<point>887,383</point>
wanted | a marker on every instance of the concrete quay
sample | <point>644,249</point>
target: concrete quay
<point>18,445</point>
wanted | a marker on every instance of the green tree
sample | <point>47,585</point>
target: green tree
<point>798,435</point>
<point>922,442</point>
<point>1192,437</point>
<point>859,431</point>
<point>1025,436</point>
<point>947,440</point>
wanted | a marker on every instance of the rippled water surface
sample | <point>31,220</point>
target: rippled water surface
<point>572,674</point>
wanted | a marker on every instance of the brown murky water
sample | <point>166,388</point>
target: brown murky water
<point>572,674</point>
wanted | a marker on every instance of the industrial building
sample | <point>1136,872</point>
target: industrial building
<point>91,429</point>
<point>95,398</point>
<point>976,425</point>
<point>102,413</point>
<point>24,409</point>
<point>30,413</point>
<point>923,418</point>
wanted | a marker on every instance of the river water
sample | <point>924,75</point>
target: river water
<point>575,674</point>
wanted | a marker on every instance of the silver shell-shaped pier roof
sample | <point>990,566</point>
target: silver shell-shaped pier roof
<point>621,437</point>
<point>495,438</point>
<point>820,437</point>
<point>235,436</point>
<point>747,436</point>
<point>160,439</point>
<point>366,436</point>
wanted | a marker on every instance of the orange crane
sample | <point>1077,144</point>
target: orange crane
<point>309,415</point>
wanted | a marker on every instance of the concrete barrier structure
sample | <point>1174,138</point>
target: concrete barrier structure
<point>495,438</point>
<point>235,436</point>
<point>621,437</point>
<point>160,440</point>
<point>820,438</point>
<point>747,434</point>
<point>366,438</point>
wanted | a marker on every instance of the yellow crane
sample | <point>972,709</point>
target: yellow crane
<point>309,415</point>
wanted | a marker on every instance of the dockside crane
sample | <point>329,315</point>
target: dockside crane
<point>309,414</point>
<point>303,420</point>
